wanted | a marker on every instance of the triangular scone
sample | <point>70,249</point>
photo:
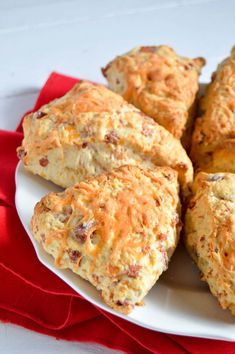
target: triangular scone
<point>160,83</point>
<point>117,230</point>
<point>210,233</point>
<point>213,143</point>
<point>92,130</point>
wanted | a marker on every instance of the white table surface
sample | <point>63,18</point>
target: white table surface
<point>78,38</point>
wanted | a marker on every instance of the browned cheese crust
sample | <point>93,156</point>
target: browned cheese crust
<point>213,143</point>
<point>210,233</point>
<point>161,83</point>
<point>92,130</point>
<point>118,230</point>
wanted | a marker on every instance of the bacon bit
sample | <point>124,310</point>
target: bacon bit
<point>21,153</point>
<point>162,237</point>
<point>80,231</point>
<point>116,282</point>
<point>111,138</point>
<point>133,271</point>
<point>43,237</point>
<point>148,49</point>
<point>167,176</point>
<point>215,178</point>
<point>67,211</point>
<point>176,221</point>
<point>124,303</point>
<point>39,114</point>
<point>64,218</point>
<point>94,238</point>
<point>74,255</point>
<point>44,161</point>
<point>191,204</point>
<point>202,238</point>
<point>145,249</point>
<point>146,131</point>
<point>84,145</point>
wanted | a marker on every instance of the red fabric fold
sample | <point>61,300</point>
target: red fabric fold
<point>36,299</point>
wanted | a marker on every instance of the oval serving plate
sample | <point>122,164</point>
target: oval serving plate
<point>179,303</point>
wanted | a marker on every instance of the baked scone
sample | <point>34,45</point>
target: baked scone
<point>210,233</point>
<point>92,130</point>
<point>161,83</point>
<point>117,230</point>
<point>213,142</point>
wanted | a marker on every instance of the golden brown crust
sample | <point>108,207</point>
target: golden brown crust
<point>210,233</point>
<point>160,83</point>
<point>91,130</point>
<point>214,135</point>
<point>117,230</point>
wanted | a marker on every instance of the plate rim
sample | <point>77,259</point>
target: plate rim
<point>58,272</point>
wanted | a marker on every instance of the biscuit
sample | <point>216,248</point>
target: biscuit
<point>159,82</point>
<point>213,141</point>
<point>210,233</point>
<point>117,230</point>
<point>92,130</point>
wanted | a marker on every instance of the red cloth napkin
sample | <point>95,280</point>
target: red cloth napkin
<point>33,297</point>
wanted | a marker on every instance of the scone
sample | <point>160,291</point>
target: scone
<point>92,130</point>
<point>117,230</point>
<point>210,233</point>
<point>213,143</point>
<point>161,83</point>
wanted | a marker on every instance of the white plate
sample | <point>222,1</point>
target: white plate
<point>179,303</point>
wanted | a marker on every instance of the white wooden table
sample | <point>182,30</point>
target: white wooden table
<point>78,38</point>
